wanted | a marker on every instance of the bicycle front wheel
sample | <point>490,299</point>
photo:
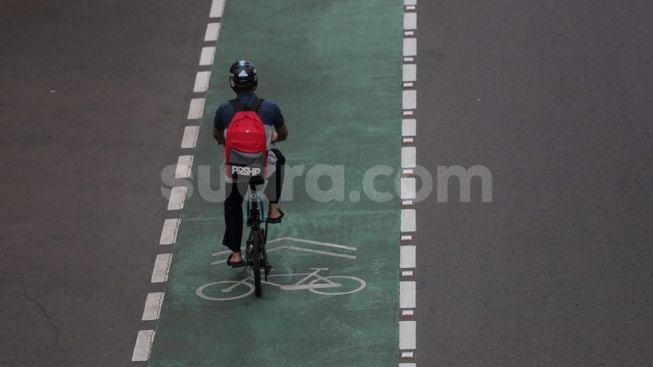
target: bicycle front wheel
<point>342,285</point>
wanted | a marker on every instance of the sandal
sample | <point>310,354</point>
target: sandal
<point>239,264</point>
<point>277,219</point>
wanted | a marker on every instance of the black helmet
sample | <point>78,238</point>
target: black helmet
<point>242,76</point>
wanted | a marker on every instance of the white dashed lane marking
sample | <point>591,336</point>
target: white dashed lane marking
<point>410,21</point>
<point>408,220</point>
<point>202,81</point>
<point>196,108</point>
<point>408,188</point>
<point>410,46</point>
<point>153,306</point>
<point>407,333</point>
<point>409,72</point>
<point>207,55</point>
<point>408,191</point>
<point>407,294</point>
<point>408,260</point>
<point>408,157</point>
<point>161,268</point>
<point>184,166</point>
<point>190,137</point>
<point>169,231</point>
<point>162,263</point>
<point>212,32</point>
<point>409,127</point>
<point>217,9</point>
<point>409,99</point>
<point>143,346</point>
<point>177,197</point>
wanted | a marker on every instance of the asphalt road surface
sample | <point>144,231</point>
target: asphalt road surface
<point>554,97</point>
<point>93,99</point>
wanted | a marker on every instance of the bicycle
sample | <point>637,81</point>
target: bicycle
<point>330,285</point>
<point>255,254</point>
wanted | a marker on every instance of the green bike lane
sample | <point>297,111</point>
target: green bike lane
<point>334,68</point>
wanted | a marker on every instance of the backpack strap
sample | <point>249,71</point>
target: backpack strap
<point>239,106</point>
<point>257,104</point>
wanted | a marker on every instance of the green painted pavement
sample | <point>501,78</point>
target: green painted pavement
<point>334,67</point>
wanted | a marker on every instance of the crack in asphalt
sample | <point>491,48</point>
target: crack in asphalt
<point>43,311</point>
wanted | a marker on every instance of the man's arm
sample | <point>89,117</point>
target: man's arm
<point>280,134</point>
<point>218,135</point>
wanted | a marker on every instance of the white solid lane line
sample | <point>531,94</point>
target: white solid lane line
<point>161,268</point>
<point>407,335</point>
<point>184,166</point>
<point>153,306</point>
<point>217,9</point>
<point>190,137</point>
<point>177,197</point>
<point>202,81</point>
<point>196,108</point>
<point>212,32</point>
<point>143,346</point>
<point>169,231</point>
<point>407,294</point>
<point>207,55</point>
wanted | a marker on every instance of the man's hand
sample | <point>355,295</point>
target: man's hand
<point>280,134</point>
<point>218,135</point>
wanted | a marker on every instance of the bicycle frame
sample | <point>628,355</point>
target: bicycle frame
<point>256,256</point>
<point>255,210</point>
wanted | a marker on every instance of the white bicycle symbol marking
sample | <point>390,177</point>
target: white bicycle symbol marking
<point>331,285</point>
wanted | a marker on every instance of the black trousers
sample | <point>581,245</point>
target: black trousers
<point>233,204</point>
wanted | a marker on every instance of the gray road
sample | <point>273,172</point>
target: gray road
<point>555,98</point>
<point>81,210</point>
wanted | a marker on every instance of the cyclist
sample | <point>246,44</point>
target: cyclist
<point>243,80</point>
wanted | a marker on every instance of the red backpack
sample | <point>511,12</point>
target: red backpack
<point>246,151</point>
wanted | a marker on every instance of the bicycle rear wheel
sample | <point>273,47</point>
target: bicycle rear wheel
<point>256,263</point>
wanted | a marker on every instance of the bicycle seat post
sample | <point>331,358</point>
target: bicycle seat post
<point>256,181</point>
